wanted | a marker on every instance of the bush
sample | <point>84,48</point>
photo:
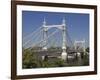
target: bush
<point>85,60</point>
<point>29,59</point>
<point>59,62</point>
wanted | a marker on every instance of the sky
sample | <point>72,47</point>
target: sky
<point>77,24</point>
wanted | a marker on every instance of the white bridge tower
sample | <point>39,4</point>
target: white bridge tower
<point>45,29</point>
<point>80,44</point>
<point>64,44</point>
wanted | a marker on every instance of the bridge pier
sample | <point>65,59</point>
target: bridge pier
<point>64,55</point>
<point>78,54</point>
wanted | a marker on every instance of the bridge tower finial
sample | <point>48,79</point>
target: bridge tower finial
<point>63,22</point>
<point>44,22</point>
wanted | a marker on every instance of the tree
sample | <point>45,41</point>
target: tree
<point>87,49</point>
<point>29,59</point>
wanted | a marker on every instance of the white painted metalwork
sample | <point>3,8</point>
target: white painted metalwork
<point>80,44</point>
<point>61,27</point>
<point>44,40</point>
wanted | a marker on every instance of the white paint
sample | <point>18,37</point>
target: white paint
<point>64,55</point>
<point>5,58</point>
<point>61,27</point>
<point>78,54</point>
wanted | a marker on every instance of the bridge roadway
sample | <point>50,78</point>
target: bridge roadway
<point>53,53</point>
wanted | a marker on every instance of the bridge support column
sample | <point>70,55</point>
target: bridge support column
<point>45,29</point>
<point>64,53</point>
<point>79,58</point>
<point>84,47</point>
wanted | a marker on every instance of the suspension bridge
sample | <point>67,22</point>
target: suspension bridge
<point>44,37</point>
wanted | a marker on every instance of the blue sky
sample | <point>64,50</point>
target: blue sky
<point>77,23</point>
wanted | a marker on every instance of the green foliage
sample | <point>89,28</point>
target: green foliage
<point>32,60</point>
<point>59,62</point>
<point>87,49</point>
<point>29,59</point>
<point>55,63</point>
<point>85,60</point>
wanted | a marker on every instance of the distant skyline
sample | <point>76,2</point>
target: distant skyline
<point>77,24</point>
